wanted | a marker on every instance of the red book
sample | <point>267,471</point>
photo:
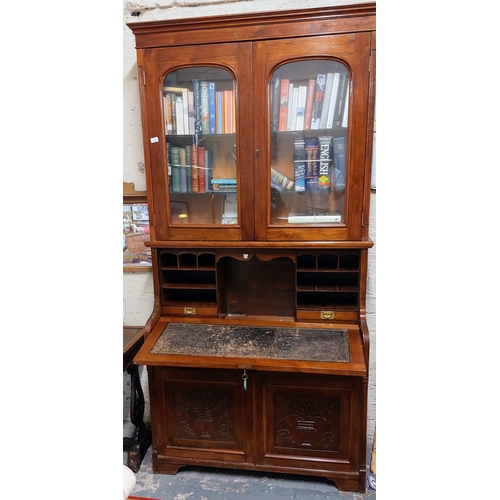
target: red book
<point>194,169</point>
<point>283,119</point>
<point>202,176</point>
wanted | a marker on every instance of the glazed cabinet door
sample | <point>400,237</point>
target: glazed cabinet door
<point>199,415</point>
<point>310,136</point>
<point>198,110</point>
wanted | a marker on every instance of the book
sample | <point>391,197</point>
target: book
<point>301,107</point>
<point>345,117</point>
<point>189,181</point>
<point>333,101</point>
<point>314,218</point>
<point>292,106</point>
<point>280,181</point>
<point>205,128</point>
<point>326,100</point>
<point>194,168</point>
<point>339,147</point>
<point>179,114</point>
<point>197,105</point>
<point>319,91</point>
<point>312,167</point>
<point>275,104</point>
<point>191,117</point>
<point>341,98</point>
<point>219,114</point>
<point>211,108</point>
<point>228,111</point>
<point>230,215</point>
<point>325,162</point>
<point>283,116</point>
<point>176,174</point>
<point>167,105</point>
<point>309,103</point>
<point>185,111</point>
<point>182,169</point>
<point>209,168</point>
<point>223,184</point>
<point>299,162</point>
<point>173,99</point>
<point>202,186</point>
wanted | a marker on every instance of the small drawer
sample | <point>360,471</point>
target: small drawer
<point>326,315</point>
<point>189,311</point>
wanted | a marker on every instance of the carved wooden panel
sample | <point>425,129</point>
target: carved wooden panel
<point>305,422</point>
<point>204,414</point>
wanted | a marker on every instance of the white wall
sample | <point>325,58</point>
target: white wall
<point>138,287</point>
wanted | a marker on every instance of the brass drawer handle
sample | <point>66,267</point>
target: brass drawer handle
<point>191,311</point>
<point>327,314</point>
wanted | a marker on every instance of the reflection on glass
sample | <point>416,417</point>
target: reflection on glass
<point>309,119</point>
<point>200,123</point>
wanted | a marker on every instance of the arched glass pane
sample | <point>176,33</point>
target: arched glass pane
<point>200,125</point>
<point>309,110</point>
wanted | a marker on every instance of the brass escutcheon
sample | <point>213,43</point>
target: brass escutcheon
<point>191,311</point>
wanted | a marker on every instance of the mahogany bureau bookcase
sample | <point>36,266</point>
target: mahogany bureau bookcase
<point>257,134</point>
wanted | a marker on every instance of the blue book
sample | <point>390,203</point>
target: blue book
<point>211,108</point>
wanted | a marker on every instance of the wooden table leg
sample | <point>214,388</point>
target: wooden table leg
<point>141,440</point>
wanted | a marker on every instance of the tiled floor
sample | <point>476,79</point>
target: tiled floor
<point>200,483</point>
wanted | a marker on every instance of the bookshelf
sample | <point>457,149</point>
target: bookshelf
<point>258,143</point>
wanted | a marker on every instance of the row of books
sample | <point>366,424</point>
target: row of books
<point>191,171</point>
<point>319,164</point>
<point>202,110</point>
<point>319,103</point>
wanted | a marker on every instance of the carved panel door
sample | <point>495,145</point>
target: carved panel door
<point>309,418</point>
<point>200,414</point>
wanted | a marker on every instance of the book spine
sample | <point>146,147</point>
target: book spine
<point>228,111</point>
<point>174,113</point>
<point>169,166</point>
<point>191,118</point>
<point>168,113</point>
<point>333,101</point>
<point>194,168</point>
<point>309,103</point>
<point>182,169</point>
<point>283,117</point>
<point>300,165</point>
<point>339,147</point>
<point>326,100</point>
<point>197,105</point>
<point>189,181</point>
<point>201,170</point>
<point>319,91</point>
<point>301,107</point>
<point>275,104</point>
<point>311,147</point>
<point>211,107</point>
<point>345,117</point>
<point>339,110</point>
<point>205,129</point>
<point>209,169</point>
<point>179,114</point>
<point>291,103</point>
<point>176,174</point>
<point>219,113</point>
<point>185,111</point>
<point>324,173</point>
